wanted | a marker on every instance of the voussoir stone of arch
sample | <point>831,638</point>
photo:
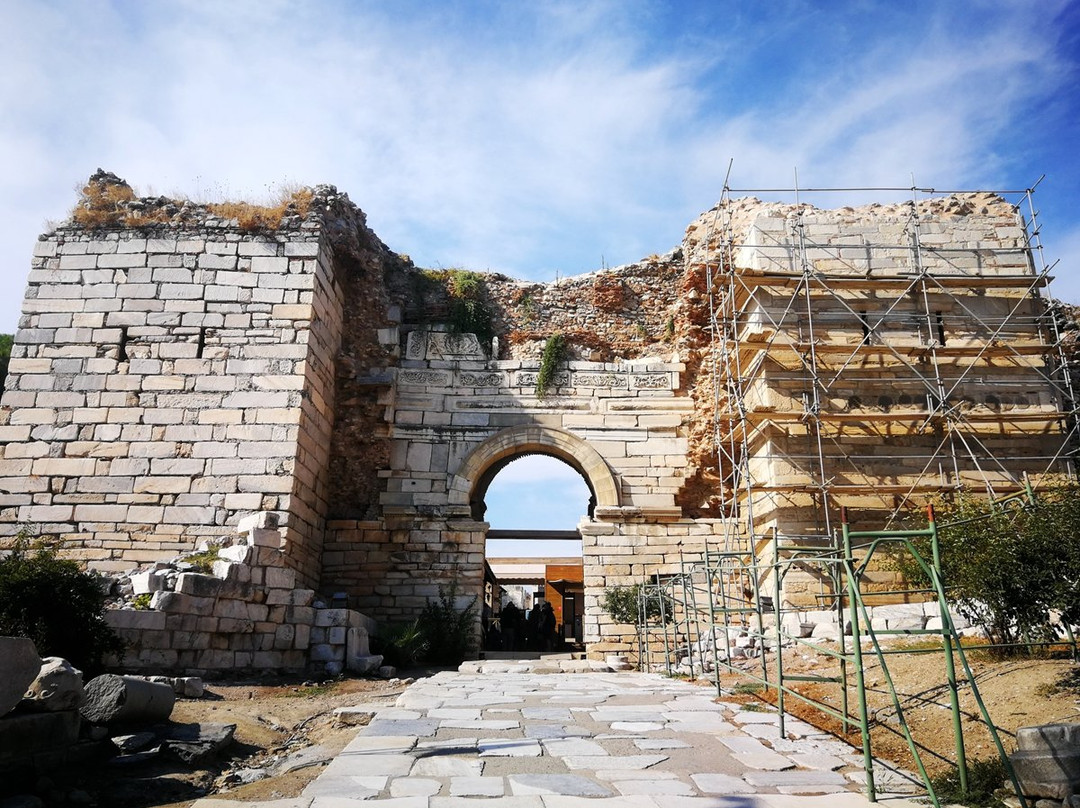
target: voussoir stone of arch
<point>536,439</point>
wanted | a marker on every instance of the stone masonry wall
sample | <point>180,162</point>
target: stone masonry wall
<point>175,370</point>
<point>165,381</point>
<point>247,615</point>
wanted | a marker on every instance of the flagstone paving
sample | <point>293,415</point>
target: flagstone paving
<point>583,740</point>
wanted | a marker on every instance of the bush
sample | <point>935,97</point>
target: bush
<point>5,358</point>
<point>56,604</point>
<point>1009,569</point>
<point>402,645</point>
<point>984,778</point>
<point>555,353</point>
<point>624,604</point>
<point>449,632</point>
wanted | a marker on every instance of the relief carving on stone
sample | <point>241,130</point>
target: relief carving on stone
<point>651,381</point>
<point>473,379</point>
<point>527,378</point>
<point>443,345</point>
<point>424,377</point>
<point>605,380</point>
<point>416,345</point>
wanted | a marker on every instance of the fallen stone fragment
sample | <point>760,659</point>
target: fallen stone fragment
<point>304,758</point>
<point>136,742</point>
<point>245,777</point>
<point>135,758</point>
<point>19,665</point>
<point>58,686</point>
<point>352,716</point>
<point>22,801</point>
<point>193,742</point>
<point>121,699</point>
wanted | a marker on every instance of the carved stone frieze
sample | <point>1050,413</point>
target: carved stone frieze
<point>527,378</point>
<point>443,345</point>
<point>604,380</point>
<point>480,379</point>
<point>424,377</point>
<point>651,381</point>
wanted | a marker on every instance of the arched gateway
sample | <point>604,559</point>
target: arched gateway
<point>457,418</point>
<point>470,483</point>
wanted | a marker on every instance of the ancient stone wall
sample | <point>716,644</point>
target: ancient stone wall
<point>247,614</point>
<point>176,369</point>
<point>167,379</point>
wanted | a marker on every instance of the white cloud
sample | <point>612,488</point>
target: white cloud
<point>520,140</point>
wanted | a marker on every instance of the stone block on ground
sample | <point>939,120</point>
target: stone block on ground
<point>24,736</point>
<point>1047,775</point>
<point>122,699</point>
<point>1048,761</point>
<point>19,666</point>
<point>193,742</point>
<point>58,686</point>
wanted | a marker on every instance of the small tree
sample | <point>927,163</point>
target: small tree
<point>56,604</point>
<point>1009,569</point>
<point>626,603</point>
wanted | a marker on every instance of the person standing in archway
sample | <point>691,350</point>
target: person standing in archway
<point>547,627</point>
<point>511,625</point>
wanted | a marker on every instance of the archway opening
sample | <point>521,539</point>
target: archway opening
<point>533,504</point>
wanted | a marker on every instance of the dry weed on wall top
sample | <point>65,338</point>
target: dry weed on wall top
<point>108,201</point>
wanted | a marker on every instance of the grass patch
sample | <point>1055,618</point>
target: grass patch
<point>310,691</point>
<point>984,778</point>
<point>1067,683</point>
<point>747,688</point>
<point>204,561</point>
<point>754,707</point>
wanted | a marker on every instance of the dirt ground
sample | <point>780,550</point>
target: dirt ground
<point>1017,692</point>
<point>278,725</point>
<point>284,724</point>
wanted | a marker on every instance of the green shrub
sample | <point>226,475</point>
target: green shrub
<point>555,353</point>
<point>402,645</point>
<point>204,561</point>
<point>449,632</point>
<point>466,293</point>
<point>5,358</point>
<point>1008,569</point>
<point>56,604</point>
<point>625,604</point>
<point>984,778</point>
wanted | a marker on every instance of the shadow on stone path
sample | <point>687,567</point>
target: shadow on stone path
<point>582,740</point>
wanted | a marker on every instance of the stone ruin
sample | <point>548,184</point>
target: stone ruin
<point>283,385</point>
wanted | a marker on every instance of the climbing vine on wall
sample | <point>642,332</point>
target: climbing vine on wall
<point>555,353</point>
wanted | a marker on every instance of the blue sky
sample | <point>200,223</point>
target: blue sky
<point>536,492</point>
<point>535,138</point>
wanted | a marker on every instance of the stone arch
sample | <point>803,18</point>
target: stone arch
<point>486,460</point>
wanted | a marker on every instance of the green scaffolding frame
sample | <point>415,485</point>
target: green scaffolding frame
<point>698,602</point>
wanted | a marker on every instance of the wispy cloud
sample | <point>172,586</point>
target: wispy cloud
<point>521,139</point>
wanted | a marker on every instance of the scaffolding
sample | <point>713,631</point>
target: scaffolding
<point>691,618</point>
<point>867,361</point>
<point>878,359</point>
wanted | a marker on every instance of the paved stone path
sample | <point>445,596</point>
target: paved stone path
<point>583,740</point>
